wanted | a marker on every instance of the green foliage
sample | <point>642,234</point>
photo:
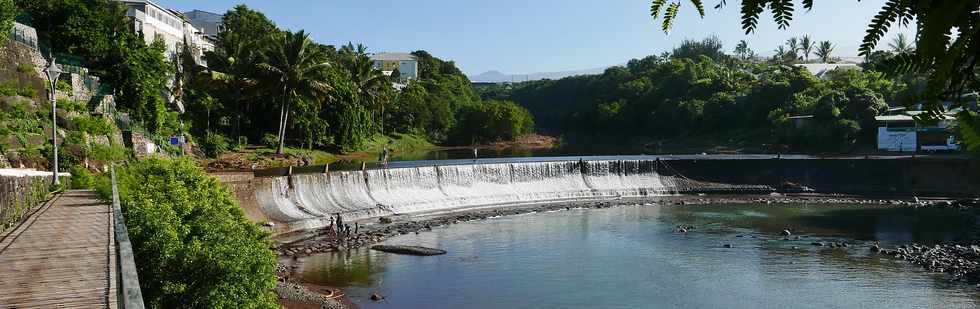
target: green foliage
<point>7,14</point>
<point>215,144</point>
<point>710,47</point>
<point>93,125</point>
<point>945,48</point>
<point>270,141</point>
<point>193,246</point>
<point>9,89</point>
<point>657,98</point>
<point>25,68</point>
<point>492,121</point>
<point>82,178</point>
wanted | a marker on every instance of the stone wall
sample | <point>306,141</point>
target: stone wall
<point>21,192</point>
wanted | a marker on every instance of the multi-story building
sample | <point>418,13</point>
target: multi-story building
<point>406,64</point>
<point>171,27</point>
<point>210,23</point>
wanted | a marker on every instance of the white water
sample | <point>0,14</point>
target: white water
<point>313,198</point>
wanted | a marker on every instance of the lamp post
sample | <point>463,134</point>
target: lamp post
<point>53,73</point>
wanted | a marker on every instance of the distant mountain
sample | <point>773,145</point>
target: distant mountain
<point>498,77</point>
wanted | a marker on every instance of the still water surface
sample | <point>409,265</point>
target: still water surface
<point>631,257</point>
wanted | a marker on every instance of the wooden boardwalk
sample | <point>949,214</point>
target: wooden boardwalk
<point>62,256</point>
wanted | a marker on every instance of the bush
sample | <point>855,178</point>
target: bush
<point>93,125</point>
<point>25,68</point>
<point>270,141</point>
<point>215,144</point>
<point>81,178</point>
<point>193,246</point>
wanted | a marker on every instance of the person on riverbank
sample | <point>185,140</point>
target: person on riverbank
<point>385,153</point>
<point>476,153</point>
<point>356,227</point>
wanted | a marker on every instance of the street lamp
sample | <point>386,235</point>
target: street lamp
<point>53,73</point>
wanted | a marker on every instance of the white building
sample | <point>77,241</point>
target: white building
<point>821,69</point>
<point>210,23</point>
<point>902,133</point>
<point>158,23</point>
<point>406,64</point>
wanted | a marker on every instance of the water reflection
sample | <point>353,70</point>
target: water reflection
<point>630,257</point>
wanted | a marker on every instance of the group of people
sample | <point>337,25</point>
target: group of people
<point>341,229</point>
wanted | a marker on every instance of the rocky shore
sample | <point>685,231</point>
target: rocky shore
<point>960,262</point>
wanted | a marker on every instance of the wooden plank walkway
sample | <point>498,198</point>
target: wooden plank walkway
<point>62,256</point>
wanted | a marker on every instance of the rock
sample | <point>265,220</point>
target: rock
<point>376,297</point>
<point>308,251</point>
<point>409,250</point>
<point>817,243</point>
<point>786,233</point>
<point>728,245</point>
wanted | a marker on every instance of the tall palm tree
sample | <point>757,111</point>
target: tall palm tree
<point>780,53</point>
<point>368,79</point>
<point>742,49</point>
<point>824,50</point>
<point>806,46</point>
<point>232,64</point>
<point>900,44</point>
<point>792,46</point>
<point>296,68</point>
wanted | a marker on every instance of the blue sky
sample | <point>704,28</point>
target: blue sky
<point>527,36</point>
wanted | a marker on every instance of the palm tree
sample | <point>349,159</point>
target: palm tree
<point>824,50</point>
<point>233,64</point>
<point>369,80</point>
<point>900,44</point>
<point>780,53</point>
<point>742,49</point>
<point>297,69</point>
<point>806,46</point>
<point>792,46</point>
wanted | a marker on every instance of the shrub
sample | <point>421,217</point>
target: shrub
<point>93,125</point>
<point>81,178</point>
<point>270,141</point>
<point>215,144</point>
<point>193,246</point>
<point>25,68</point>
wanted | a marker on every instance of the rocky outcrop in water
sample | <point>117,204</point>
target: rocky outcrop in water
<point>409,250</point>
<point>961,262</point>
<point>301,294</point>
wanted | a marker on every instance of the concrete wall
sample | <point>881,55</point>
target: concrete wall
<point>942,176</point>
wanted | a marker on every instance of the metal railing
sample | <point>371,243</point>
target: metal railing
<point>129,294</point>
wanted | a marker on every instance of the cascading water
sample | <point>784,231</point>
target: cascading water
<point>308,201</point>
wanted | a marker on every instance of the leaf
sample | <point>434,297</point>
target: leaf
<point>669,15</point>
<point>655,8</point>
<point>888,14</point>
<point>699,6</point>
<point>782,12</point>
<point>750,14</point>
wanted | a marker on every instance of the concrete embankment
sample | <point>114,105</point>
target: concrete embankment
<point>302,201</point>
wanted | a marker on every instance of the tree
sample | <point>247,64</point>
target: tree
<point>297,70</point>
<point>900,44</point>
<point>370,82</point>
<point>806,46</point>
<point>192,244</point>
<point>945,50</point>
<point>710,47</point>
<point>742,50</point>
<point>793,48</point>
<point>824,50</point>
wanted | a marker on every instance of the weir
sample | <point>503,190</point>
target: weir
<point>309,200</point>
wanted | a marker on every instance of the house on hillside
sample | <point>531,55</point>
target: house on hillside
<point>158,23</point>
<point>406,64</point>
<point>821,69</point>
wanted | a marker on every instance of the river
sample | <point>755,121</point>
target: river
<point>633,257</point>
